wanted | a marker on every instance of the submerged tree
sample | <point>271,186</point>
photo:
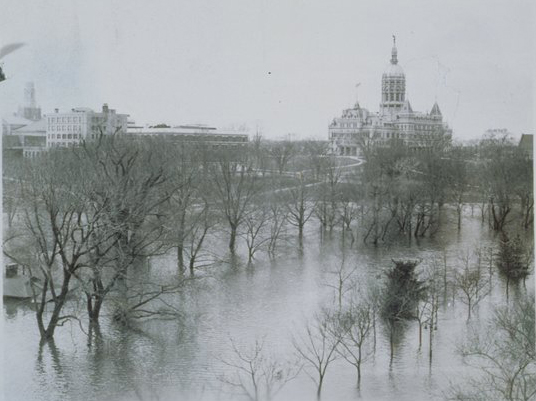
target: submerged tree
<point>356,326</point>
<point>235,187</point>
<point>503,357</point>
<point>300,206</point>
<point>513,259</point>
<point>256,374</point>
<point>471,282</point>
<point>403,291</point>
<point>401,295</point>
<point>54,239</point>
<point>317,348</point>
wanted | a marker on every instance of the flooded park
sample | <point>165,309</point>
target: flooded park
<point>236,304</point>
<point>268,201</point>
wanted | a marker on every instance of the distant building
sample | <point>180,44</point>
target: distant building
<point>12,122</point>
<point>526,143</point>
<point>192,134</point>
<point>32,138</point>
<point>395,120</point>
<point>70,128</point>
<point>14,133</point>
<point>29,109</point>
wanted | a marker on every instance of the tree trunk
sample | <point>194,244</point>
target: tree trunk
<point>180,257</point>
<point>420,334</point>
<point>468,311</point>
<point>319,389</point>
<point>48,332</point>
<point>191,266</point>
<point>232,239</point>
<point>94,309</point>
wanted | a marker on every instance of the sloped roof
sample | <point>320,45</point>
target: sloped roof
<point>435,110</point>
<point>407,107</point>
<point>15,120</point>
<point>36,126</point>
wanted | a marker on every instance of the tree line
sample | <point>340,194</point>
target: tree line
<point>90,216</point>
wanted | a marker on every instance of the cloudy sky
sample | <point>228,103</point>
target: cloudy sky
<point>285,66</point>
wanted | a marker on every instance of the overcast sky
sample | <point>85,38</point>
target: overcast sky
<point>282,65</point>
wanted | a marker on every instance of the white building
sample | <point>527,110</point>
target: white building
<point>70,128</point>
<point>193,134</point>
<point>395,120</point>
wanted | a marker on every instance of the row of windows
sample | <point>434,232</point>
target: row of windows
<point>65,127</point>
<point>64,136</point>
<point>393,97</point>
<point>61,144</point>
<point>417,127</point>
<point>65,119</point>
<point>201,137</point>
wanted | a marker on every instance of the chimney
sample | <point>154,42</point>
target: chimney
<point>105,108</point>
<point>56,110</point>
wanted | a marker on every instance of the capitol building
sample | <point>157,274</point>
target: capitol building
<point>396,120</point>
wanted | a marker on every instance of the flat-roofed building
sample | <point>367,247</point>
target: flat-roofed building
<point>70,128</point>
<point>193,134</point>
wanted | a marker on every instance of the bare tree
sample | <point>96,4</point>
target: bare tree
<point>343,282</point>
<point>458,180</point>
<point>471,282</point>
<point>278,218</point>
<point>186,204</point>
<point>255,223</point>
<point>282,153</point>
<point>329,195</point>
<point>255,374</point>
<point>356,325</point>
<point>299,206</point>
<point>57,234</point>
<point>127,186</point>
<point>202,222</point>
<point>317,347</point>
<point>236,186</point>
<point>502,356</point>
<point>315,152</point>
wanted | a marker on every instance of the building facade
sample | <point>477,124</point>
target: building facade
<point>70,128</point>
<point>193,134</point>
<point>31,138</point>
<point>396,119</point>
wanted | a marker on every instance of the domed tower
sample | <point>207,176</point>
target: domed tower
<point>393,84</point>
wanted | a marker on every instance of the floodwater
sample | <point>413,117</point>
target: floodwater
<point>180,359</point>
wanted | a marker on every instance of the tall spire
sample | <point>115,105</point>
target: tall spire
<point>394,59</point>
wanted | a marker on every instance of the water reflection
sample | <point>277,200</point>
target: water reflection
<point>270,298</point>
